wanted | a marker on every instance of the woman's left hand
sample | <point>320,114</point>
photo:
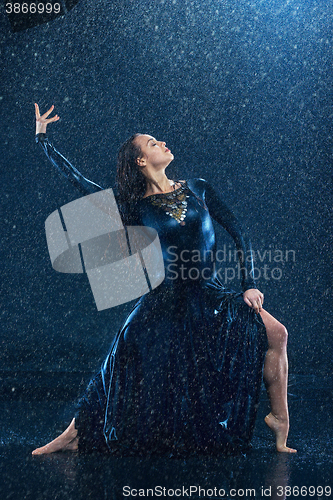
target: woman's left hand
<point>254,298</point>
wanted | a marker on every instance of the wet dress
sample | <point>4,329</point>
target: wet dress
<point>184,372</point>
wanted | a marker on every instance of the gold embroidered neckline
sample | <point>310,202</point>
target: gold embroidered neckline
<point>173,203</point>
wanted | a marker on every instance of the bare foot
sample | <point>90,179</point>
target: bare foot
<point>280,429</point>
<point>68,440</point>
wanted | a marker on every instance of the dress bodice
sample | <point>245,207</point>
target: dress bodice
<point>185,230</point>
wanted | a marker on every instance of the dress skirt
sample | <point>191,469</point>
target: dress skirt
<point>183,376</point>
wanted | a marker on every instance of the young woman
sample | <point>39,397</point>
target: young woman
<point>184,372</point>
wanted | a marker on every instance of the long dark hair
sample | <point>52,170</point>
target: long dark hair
<point>131,183</point>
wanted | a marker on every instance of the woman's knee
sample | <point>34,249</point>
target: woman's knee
<point>278,336</point>
<point>277,333</point>
<point>283,334</point>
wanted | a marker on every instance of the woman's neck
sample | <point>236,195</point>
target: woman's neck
<point>158,184</point>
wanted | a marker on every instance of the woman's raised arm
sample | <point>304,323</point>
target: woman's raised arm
<point>61,163</point>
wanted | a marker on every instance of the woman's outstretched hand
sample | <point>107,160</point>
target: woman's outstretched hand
<point>254,298</point>
<point>43,121</point>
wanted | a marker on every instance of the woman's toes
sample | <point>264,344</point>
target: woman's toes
<point>285,449</point>
<point>280,429</point>
<point>68,440</point>
<point>36,452</point>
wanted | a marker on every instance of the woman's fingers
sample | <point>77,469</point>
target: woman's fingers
<point>48,112</point>
<point>43,121</point>
<point>249,302</point>
<point>259,303</point>
<point>254,299</point>
<point>44,118</point>
<point>37,111</point>
<point>54,119</point>
<point>256,307</point>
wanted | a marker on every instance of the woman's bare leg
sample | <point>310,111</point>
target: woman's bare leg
<point>276,380</point>
<point>68,440</point>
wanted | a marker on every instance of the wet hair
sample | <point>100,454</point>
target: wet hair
<point>131,183</point>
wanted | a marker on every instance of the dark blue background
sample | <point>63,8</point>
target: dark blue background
<point>241,91</point>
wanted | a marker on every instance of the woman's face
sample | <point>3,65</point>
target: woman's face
<point>155,154</point>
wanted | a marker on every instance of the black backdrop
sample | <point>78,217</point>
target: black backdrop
<point>240,91</point>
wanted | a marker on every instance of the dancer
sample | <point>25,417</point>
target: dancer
<point>184,372</point>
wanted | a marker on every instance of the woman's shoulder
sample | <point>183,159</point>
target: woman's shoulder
<point>197,181</point>
<point>198,185</point>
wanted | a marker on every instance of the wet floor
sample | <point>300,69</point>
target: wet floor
<point>262,473</point>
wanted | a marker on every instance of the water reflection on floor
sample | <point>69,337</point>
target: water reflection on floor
<point>262,473</point>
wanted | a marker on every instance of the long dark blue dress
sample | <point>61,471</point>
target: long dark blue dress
<point>184,372</point>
